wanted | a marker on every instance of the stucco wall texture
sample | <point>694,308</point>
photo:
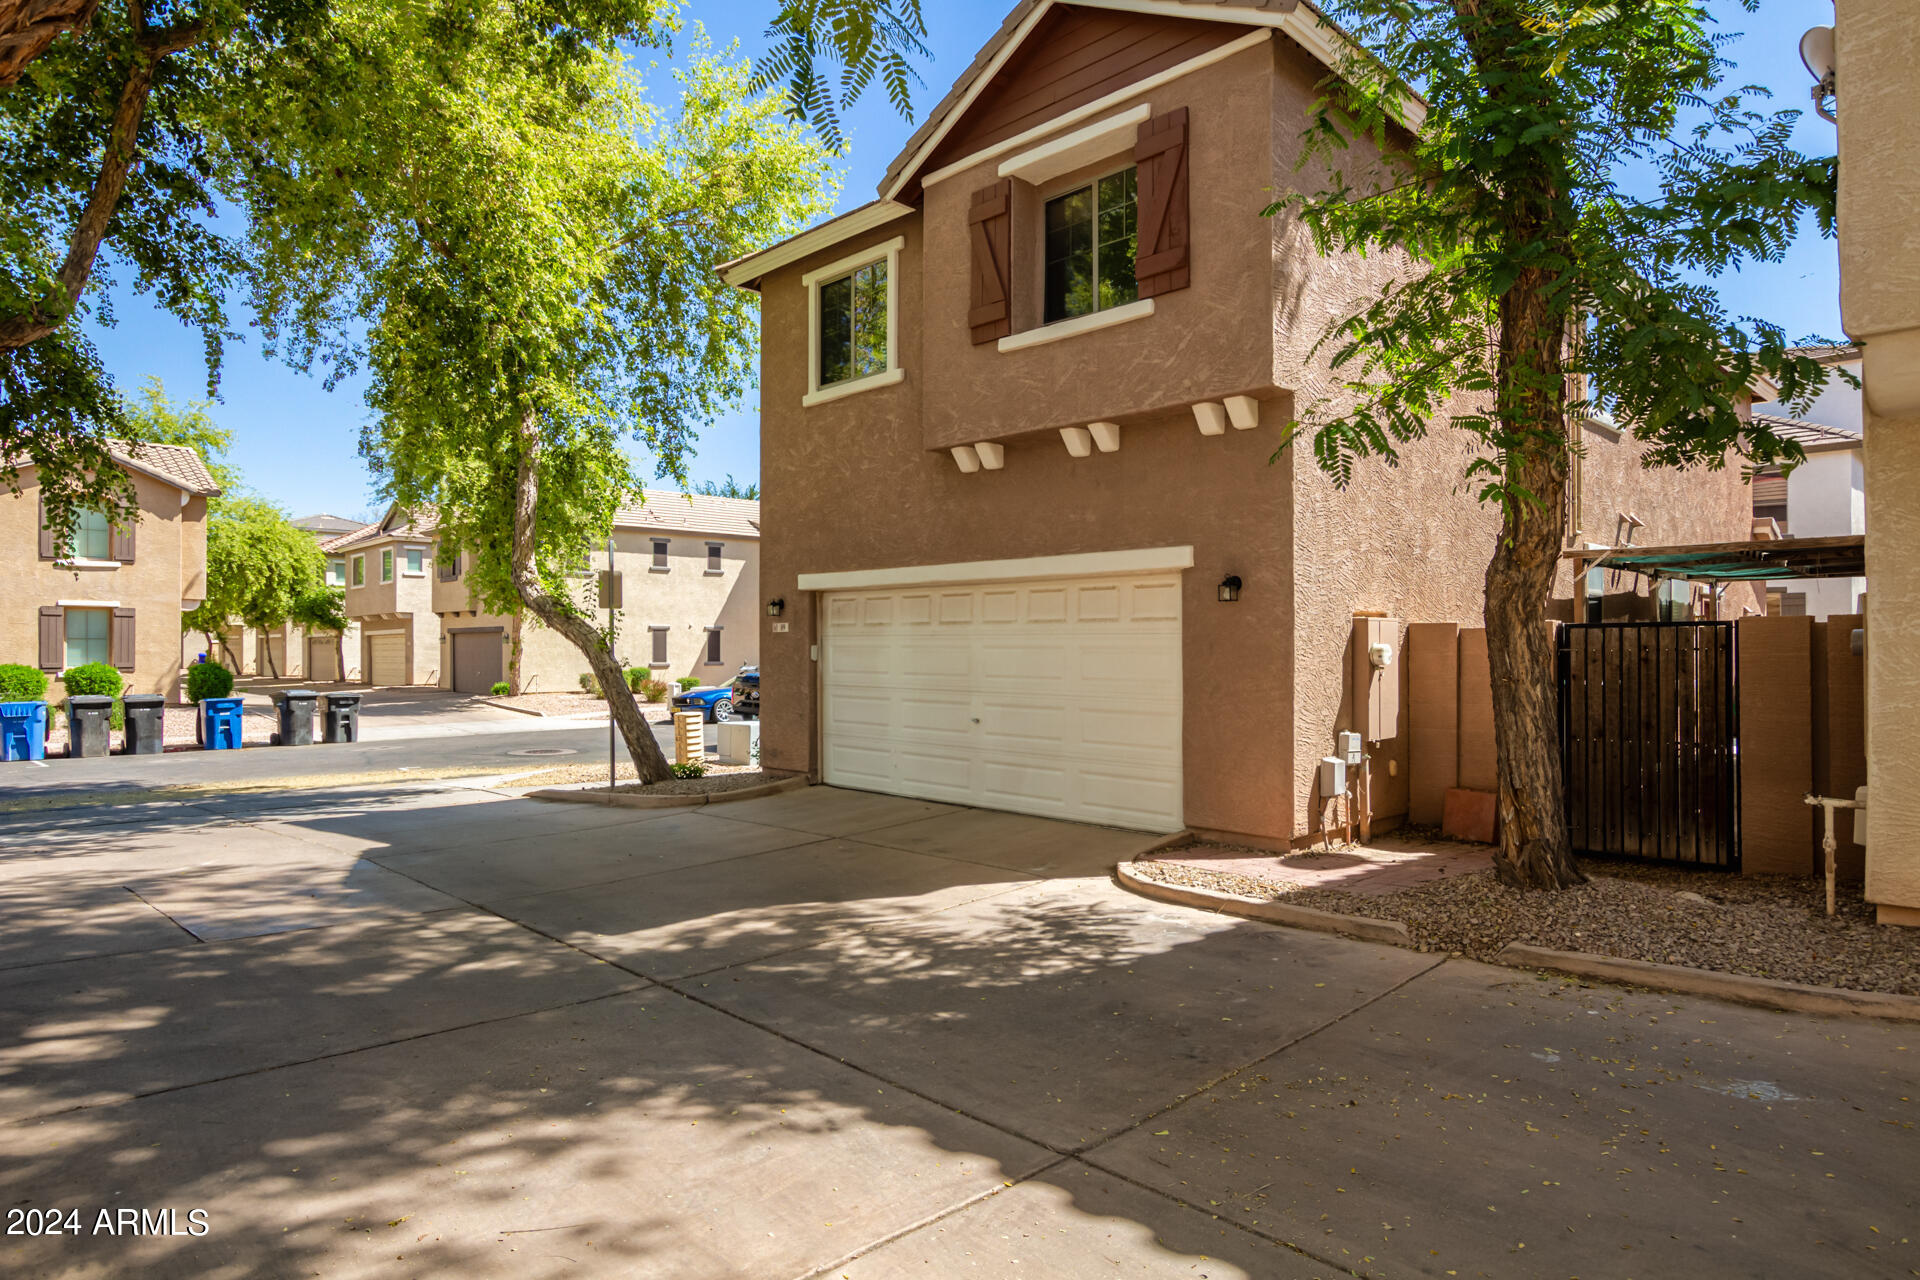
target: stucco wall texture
<point>865,481</point>
<point>169,566</point>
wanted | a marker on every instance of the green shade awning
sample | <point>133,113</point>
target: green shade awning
<point>1844,557</point>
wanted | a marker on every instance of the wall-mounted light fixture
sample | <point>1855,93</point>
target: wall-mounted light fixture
<point>1230,588</point>
<point>776,607</point>
<point>1817,54</point>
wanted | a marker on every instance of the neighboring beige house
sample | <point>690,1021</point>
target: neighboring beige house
<point>1877,48</point>
<point>1038,546</point>
<point>386,569</point>
<point>689,567</point>
<point>111,595</point>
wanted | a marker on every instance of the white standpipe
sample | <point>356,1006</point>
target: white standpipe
<point>1828,844</point>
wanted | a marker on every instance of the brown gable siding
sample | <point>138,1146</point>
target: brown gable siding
<point>1073,57</point>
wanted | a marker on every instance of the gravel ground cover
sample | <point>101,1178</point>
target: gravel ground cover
<point>559,704</point>
<point>719,777</point>
<point>1763,926</point>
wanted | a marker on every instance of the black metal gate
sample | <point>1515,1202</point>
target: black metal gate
<point>1650,740</point>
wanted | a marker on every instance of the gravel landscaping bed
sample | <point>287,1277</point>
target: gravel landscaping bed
<point>557,704</point>
<point>1763,926</point>
<point>719,777</point>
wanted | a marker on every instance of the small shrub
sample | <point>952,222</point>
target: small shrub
<point>655,690</point>
<point>636,676</point>
<point>208,680</point>
<point>687,682</point>
<point>590,685</point>
<point>500,689</point>
<point>93,678</point>
<point>22,684</point>
<point>691,769</point>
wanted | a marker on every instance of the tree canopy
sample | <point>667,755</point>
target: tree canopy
<point>1540,269</point>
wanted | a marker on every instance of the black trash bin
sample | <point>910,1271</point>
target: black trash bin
<point>89,724</point>
<point>296,717</point>
<point>340,714</point>
<point>146,724</point>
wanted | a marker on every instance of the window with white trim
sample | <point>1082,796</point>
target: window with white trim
<point>92,536</point>
<point>386,565</point>
<point>415,560</point>
<point>336,571</point>
<point>87,636</point>
<point>1091,236</point>
<point>359,571</point>
<point>853,323</point>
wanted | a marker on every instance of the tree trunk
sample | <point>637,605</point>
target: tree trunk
<point>648,760</point>
<point>117,157</point>
<point>28,27</point>
<point>1534,852</point>
<point>266,646</point>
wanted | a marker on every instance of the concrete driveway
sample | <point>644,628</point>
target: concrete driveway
<point>835,1034</point>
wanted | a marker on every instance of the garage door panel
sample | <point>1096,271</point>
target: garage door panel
<point>950,716</point>
<point>1059,698</point>
<point>387,658</point>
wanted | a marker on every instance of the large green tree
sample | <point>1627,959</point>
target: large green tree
<point>529,242</point>
<point>264,573</point>
<point>1538,267</point>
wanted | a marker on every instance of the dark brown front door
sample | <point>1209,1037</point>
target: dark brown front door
<point>477,660</point>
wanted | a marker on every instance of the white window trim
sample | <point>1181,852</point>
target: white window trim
<point>816,394</point>
<point>1087,564</point>
<point>80,562</point>
<point>88,604</point>
<point>387,565</point>
<point>360,560</point>
<point>409,573</point>
<point>1060,329</point>
<point>1102,140</point>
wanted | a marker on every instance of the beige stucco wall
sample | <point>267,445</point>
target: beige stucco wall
<point>686,598</point>
<point>169,558</point>
<point>1878,46</point>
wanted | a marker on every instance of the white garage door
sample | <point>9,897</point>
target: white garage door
<point>322,652</point>
<point>1059,698</point>
<point>387,657</point>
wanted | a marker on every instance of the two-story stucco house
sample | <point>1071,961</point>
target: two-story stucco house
<point>1825,496</point>
<point>111,594</point>
<point>689,568</point>
<point>1038,546</point>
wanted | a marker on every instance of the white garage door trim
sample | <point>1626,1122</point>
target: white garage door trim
<point>1059,697</point>
<point>397,641</point>
<point>1087,564</point>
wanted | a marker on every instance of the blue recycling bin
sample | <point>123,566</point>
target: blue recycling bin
<point>23,731</point>
<point>220,724</point>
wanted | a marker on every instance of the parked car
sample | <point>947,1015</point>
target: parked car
<point>715,702</point>
<point>746,692</point>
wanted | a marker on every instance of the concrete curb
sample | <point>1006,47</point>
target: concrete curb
<point>519,711</point>
<point>1767,993</point>
<point>1365,928</point>
<point>618,801</point>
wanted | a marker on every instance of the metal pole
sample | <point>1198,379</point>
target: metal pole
<point>612,652</point>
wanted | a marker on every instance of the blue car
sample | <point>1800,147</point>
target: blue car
<point>714,703</point>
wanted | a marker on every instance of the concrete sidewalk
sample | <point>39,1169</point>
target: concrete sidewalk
<point>826,1033</point>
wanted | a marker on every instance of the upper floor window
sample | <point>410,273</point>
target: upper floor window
<point>92,536</point>
<point>853,324</point>
<point>713,556</point>
<point>1092,234</point>
<point>415,560</point>
<point>448,566</point>
<point>386,565</point>
<point>359,571</point>
<point>336,571</point>
<point>659,554</point>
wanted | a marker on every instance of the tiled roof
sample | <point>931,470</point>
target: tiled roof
<point>676,512</point>
<point>1807,433</point>
<point>175,463</point>
<point>326,525</point>
<point>938,118</point>
<point>1828,353</point>
<point>365,533</point>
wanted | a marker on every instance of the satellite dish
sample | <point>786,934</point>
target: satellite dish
<point>1816,51</point>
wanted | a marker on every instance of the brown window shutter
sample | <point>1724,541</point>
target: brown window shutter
<point>53,637</point>
<point>1161,262</point>
<point>122,544</point>
<point>990,227</point>
<point>120,640</point>
<point>47,550</point>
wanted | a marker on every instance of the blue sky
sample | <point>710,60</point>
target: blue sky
<point>297,443</point>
